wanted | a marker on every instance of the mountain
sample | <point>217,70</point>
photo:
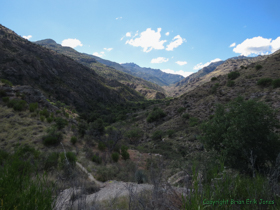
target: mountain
<point>58,76</point>
<point>107,69</point>
<point>153,75</point>
<point>213,70</point>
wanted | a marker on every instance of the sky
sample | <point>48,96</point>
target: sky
<point>177,36</point>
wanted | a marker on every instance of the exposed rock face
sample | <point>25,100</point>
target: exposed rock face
<point>25,63</point>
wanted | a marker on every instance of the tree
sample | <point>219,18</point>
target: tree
<point>134,135</point>
<point>243,132</point>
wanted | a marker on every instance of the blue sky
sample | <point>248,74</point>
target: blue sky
<point>177,36</point>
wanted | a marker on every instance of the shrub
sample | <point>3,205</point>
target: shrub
<point>71,158</point>
<point>276,83</point>
<point>49,119</point>
<point>230,83</point>
<point>186,116</point>
<point>3,156</point>
<point>155,115</point>
<point>6,99</point>
<point>51,161</point>
<point>33,107</point>
<point>96,159</point>
<point>181,109</point>
<point>264,82</point>
<point>3,93</point>
<point>157,135</point>
<point>97,127</point>
<point>134,134</point>
<point>241,130</point>
<point>60,123</point>
<point>140,177</point>
<point>7,82</point>
<point>73,140</point>
<point>52,138</point>
<point>124,153</point>
<point>233,75</point>
<point>258,67</point>
<point>17,105</point>
<point>42,118</point>
<point>214,88</point>
<point>115,156</point>
<point>213,78</point>
<point>57,111</point>
<point>193,121</point>
<point>82,127</point>
<point>170,133</point>
<point>101,146</point>
<point>45,113</point>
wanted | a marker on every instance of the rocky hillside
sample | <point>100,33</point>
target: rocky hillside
<point>153,75</point>
<point>213,70</point>
<point>107,69</point>
<point>58,76</point>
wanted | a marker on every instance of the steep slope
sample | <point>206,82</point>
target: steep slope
<point>213,70</point>
<point>153,75</point>
<point>26,63</point>
<point>107,70</point>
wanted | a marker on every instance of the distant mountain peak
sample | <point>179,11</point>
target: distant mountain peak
<point>47,41</point>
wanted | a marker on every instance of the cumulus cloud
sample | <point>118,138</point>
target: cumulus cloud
<point>232,45</point>
<point>71,43</point>
<point>257,46</point>
<point>181,63</point>
<point>167,33</point>
<point>118,18</point>
<point>159,60</point>
<point>135,34</point>
<point>180,72</point>
<point>27,37</point>
<point>108,49</point>
<point>148,40</point>
<point>99,55</point>
<point>128,34</point>
<point>201,65</point>
<point>178,40</point>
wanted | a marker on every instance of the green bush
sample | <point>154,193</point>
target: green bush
<point>33,107</point>
<point>6,99</point>
<point>140,177</point>
<point>276,83</point>
<point>244,131</point>
<point>186,116</point>
<point>52,138</point>
<point>233,75</point>
<point>17,105</point>
<point>181,109</point>
<point>170,133</point>
<point>3,156</point>
<point>214,88</point>
<point>101,146</point>
<point>157,135</point>
<point>115,156</point>
<point>258,67</point>
<point>230,83</point>
<point>57,111</point>
<point>124,153</point>
<point>82,127</point>
<point>134,134</point>
<point>71,157</point>
<point>96,159</point>
<point>155,115</point>
<point>213,78</point>
<point>60,123</point>
<point>51,161</point>
<point>44,112</point>
<point>42,118</point>
<point>97,127</point>
<point>7,82</point>
<point>193,121</point>
<point>49,119</point>
<point>73,140</point>
<point>264,82</point>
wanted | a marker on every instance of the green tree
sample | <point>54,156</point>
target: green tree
<point>134,135</point>
<point>243,132</point>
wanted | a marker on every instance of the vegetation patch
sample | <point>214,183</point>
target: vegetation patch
<point>230,83</point>
<point>276,83</point>
<point>155,115</point>
<point>264,82</point>
<point>233,75</point>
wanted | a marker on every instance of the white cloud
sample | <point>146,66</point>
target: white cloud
<point>148,40</point>
<point>99,55</point>
<point>135,34</point>
<point>167,33</point>
<point>178,40</point>
<point>257,46</point>
<point>181,72</point>
<point>200,65</point>
<point>159,60</point>
<point>27,37</point>
<point>108,49</point>
<point>181,63</point>
<point>128,34</point>
<point>118,18</point>
<point>232,45</point>
<point>71,43</point>
<point>122,38</point>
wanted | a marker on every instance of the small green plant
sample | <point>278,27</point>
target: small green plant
<point>6,99</point>
<point>233,75</point>
<point>115,156</point>
<point>33,107</point>
<point>51,161</point>
<point>181,109</point>
<point>17,105</point>
<point>73,140</point>
<point>71,159</point>
<point>101,146</point>
<point>157,135</point>
<point>264,82</point>
<point>213,78</point>
<point>124,152</point>
<point>45,113</point>
<point>155,115</point>
<point>60,123</point>
<point>7,82</point>
<point>214,88</point>
<point>57,111</point>
<point>230,83</point>
<point>52,138</point>
<point>96,159</point>
<point>276,83</point>
<point>42,118</point>
<point>258,67</point>
<point>170,133</point>
<point>186,116</point>
<point>140,177</point>
<point>49,119</point>
<point>193,121</point>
